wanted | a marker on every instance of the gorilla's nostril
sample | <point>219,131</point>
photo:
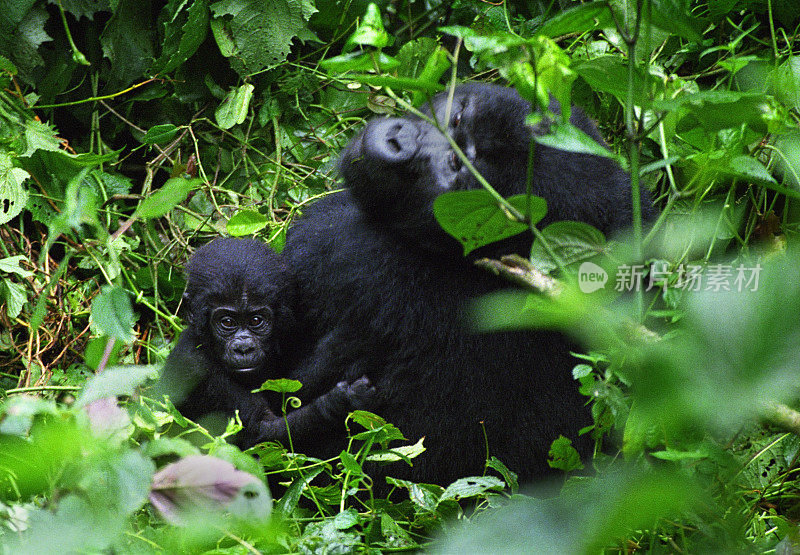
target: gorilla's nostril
<point>392,141</point>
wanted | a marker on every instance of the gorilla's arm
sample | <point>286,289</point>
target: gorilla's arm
<point>321,414</point>
<point>198,389</point>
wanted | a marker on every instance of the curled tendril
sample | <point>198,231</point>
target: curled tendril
<point>294,402</point>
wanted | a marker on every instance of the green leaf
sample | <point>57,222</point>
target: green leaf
<point>610,74</point>
<point>717,110</point>
<point>350,464</point>
<point>571,241</point>
<point>15,297</point>
<point>128,41</point>
<point>750,169</point>
<point>246,222</point>
<point>673,16</point>
<point>370,31</point>
<point>234,107</point>
<point>112,313</point>
<point>346,519</point>
<point>113,382</point>
<point>475,219</point>
<point>96,349</point>
<point>565,136</point>
<point>184,32</point>
<point>173,192</point>
<point>262,31</point>
<point>283,385</point>
<point>579,19</point>
<point>11,265</point>
<point>563,455</point>
<point>13,196</point>
<point>471,487</point>
<point>398,453</point>
<point>359,61</point>
<point>40,136</point>
<point>395,536</point>
<point>160,133</point>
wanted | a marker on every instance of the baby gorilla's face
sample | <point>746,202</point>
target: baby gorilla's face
<point>487,123</point>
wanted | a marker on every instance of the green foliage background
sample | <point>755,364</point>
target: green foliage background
<point>133,131</point>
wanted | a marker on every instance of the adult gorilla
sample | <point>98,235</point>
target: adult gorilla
<point>386,288</point>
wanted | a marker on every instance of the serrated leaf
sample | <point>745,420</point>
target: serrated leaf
<point>127,41</point>
<point>475,218</point>
<point>112,313</point>
<point>262,31</point>
<point>246,222</point>
<point>234,107</point>
<point>172,193</point>
<point>160,133</point>
<point>115,381</point>
<point>40,136</point>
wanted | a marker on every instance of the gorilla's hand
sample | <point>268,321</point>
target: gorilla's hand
<point>317,416</point>
<point>360,395</point>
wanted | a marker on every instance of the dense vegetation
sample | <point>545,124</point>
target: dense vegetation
<point>133,131</point>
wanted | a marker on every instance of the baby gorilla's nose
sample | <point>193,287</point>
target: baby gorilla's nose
<point>391,140</point>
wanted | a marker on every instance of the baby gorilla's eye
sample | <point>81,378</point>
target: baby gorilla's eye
<point>456,119</point>
<point>227,322</point>
<point>257,322</point>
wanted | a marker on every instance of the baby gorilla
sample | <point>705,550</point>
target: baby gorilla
<point>240,301</point>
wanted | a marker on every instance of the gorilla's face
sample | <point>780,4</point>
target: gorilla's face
<point>242,336</point>
<point>487,123</point>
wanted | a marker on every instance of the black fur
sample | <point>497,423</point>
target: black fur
<point>383,289</point>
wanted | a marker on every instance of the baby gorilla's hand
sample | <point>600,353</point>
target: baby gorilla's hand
<point>360,394</point>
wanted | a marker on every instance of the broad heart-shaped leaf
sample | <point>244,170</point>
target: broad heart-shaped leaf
<point>172,193</point>
<point>246,222</point>
<point>282,385</point>
<point>234,107</point>
<point>475,218</point>
<point>112,313</point>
